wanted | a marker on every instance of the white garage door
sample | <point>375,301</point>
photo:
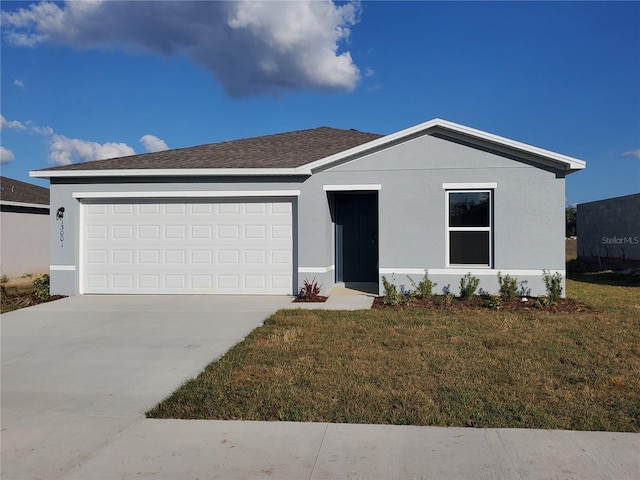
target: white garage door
<point>165,246</point>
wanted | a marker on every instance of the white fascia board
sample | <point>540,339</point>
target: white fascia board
<point>190,194</point>
<point>26,205</point>
<point>568,163</point>
<point>167,172</point>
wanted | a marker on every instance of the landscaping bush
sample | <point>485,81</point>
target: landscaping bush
<point>468,286</point>
<point>508,287</point>
<point>392,296</point>
<point>310,290</point>
<point>553,285</point>
<point>494,302</point>
<point>424,288</point>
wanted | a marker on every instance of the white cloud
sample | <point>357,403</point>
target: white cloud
<point>251,47</point>
<point>18,83</point>
<point>153,143</point>
<point>632,153</point>
<point>6,155</point>
<point>13,124</point>
<point>65,151</point>
<point>46,131</point>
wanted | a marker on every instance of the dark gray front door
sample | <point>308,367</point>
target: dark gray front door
<point>357,237</point>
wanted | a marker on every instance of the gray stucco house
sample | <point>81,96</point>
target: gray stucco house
<point>261,215</point>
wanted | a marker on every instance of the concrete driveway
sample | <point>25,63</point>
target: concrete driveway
<point>78,372</point>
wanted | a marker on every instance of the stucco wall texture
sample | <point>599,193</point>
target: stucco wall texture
<point>24,247</point>
<point>610,228</point>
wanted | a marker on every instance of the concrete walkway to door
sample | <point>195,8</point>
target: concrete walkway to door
<point>78,374</point>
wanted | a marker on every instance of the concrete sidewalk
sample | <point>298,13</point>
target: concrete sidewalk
<point>78,374</point>
<point>185,449</point>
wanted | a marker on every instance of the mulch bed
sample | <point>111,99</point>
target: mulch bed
<point>438,302</point>
<point>317,299</point>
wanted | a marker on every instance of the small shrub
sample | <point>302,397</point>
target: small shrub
<point>391,294</point>
<point>394,297</point>
<point>508,287</point>
<point>553,285</point>
<point>4,279</point>
<point>494,302</point>
<point>310,290</point>
<point>3,294</point>
<point>424,288</point>
<point>542,302</point>
<point>41,287</point>
<point>468,286</point>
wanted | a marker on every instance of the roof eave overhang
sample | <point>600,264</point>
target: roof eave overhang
<point>24,204</point>
<point>172,172</point>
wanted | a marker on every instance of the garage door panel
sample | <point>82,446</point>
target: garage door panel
<point>187,247</point>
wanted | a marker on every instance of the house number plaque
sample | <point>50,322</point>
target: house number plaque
<point>60,218</point>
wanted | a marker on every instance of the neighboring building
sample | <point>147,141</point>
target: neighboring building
<point>610,229</point>
<point>261,215</point>
<point>24,228</point>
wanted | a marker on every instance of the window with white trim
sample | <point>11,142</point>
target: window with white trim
<point>469,227</point>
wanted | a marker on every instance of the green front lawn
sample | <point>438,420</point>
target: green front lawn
<point>479,367</point>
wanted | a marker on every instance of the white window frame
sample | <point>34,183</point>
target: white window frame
<point>449,229</point>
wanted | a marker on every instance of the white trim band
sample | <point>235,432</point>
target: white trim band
<point>347,188</point>
<point>316,269</point>
<point>470,186</point>
<point>402,271</point>
<point>191,194</point>
<point>62,268</point>
<point>480,272</point>
<point>493,272</point>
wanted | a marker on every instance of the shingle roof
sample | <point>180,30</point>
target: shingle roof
<point>20,192</point>
<point>284,150</point>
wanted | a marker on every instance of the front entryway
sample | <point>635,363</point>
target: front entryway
<point>356,237</point>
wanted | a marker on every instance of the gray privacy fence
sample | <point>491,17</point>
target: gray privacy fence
<point>610,228</point>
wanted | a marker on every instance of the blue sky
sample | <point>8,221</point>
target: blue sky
<point>83,81</point>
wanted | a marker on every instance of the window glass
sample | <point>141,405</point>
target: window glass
<point>469,209</point>
<point>469,248</point>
